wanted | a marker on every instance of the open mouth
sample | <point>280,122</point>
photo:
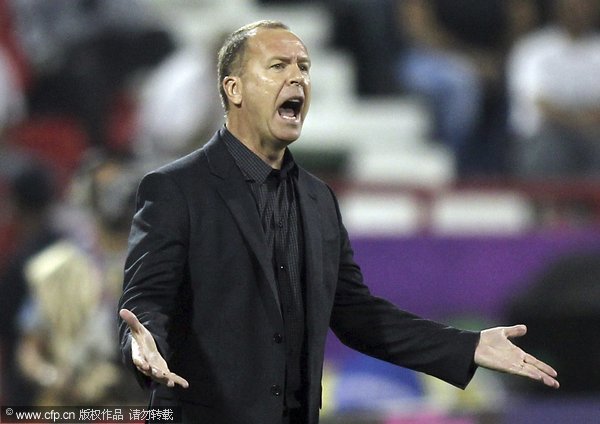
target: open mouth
<point>290,109</point>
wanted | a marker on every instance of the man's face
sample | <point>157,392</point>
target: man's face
<point>274,88</point>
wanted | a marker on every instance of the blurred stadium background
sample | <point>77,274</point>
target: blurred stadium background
<point>94,93</point>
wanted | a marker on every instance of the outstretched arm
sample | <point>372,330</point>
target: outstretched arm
<point>495,351</point>
<point>145,354</point>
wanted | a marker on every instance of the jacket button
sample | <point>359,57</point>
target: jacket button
<point>276,390</point>
<point>277,338</point>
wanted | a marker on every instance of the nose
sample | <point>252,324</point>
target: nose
<point>297,77</point>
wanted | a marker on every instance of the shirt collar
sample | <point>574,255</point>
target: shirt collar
<point>251,165</point>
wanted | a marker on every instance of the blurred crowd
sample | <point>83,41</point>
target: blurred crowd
<point>510,84</point>
<point>93,93</point>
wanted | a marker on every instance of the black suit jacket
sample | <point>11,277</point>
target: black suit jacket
<point>198,277</point>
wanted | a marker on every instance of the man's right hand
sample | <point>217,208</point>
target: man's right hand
<point>145,354</point>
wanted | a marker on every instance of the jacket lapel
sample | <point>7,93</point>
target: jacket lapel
<point>316,300</point>
<point>238,198</point>
<point>311,224</point>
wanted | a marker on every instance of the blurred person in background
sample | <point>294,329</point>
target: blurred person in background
<point>82,54</point>
<point>178,105</point>
<point>453,54</point>
<point>555,94</point>
<point>31,196</point>
<point>67,348</point>
<point>60,344</point>
<point>12,101</point>
<point>367,31</point>
<point>12,111</point>
<point>239,262</point>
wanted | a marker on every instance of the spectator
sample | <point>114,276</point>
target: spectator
<point>59,348</point>
<point>31,196</point>
<point>82,54</point>
<point>12,104</point>
<point>58,328</point>
<point>454,56</point>
<point>367,31</point>
<point>178,106</point>
<point>555,94</point>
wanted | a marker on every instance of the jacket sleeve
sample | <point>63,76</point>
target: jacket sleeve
<point>378,328</point>
<point>156,263</point>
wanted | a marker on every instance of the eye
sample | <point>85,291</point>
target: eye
<point>277,66</point>
<point>304,67</point>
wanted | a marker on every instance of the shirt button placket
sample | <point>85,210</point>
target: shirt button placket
<point>276,390</point>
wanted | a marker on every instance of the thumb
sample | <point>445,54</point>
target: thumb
<point>515,331</point>
<point>129,317</point>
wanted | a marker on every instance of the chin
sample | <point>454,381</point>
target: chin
<point>289,140</point>
<point>289,136</point>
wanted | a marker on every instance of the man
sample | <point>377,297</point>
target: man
<point>239,262</point>
<point>554,103</point>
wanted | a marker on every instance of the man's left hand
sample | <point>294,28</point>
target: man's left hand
<point>496,352</point>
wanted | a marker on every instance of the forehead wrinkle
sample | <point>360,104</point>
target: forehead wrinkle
<point>290,58</point>
<point>278,43</point>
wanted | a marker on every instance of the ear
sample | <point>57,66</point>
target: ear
<point>232,86</point>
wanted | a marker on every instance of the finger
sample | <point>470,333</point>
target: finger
<point>542,366</point>
<point>169,378</point>
<point>141,364</point>
<point>129,317</point>
<point>179,380</point>
<point>536,374</point>
<point>515,331</point>
<point>174,379</point>
<point>551,382</point>
<point>535,369</point>
<point>144,369</point>
<point>530,372</point>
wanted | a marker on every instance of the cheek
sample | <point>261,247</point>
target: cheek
<point>308,98</point>
<point>262,94</point>
<point>265,84</point>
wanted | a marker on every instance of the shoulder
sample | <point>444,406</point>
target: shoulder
<point>541,41</point>
<point>192,166</point>
<point>172,176</point>
<point>318,189</point>
<point>313,182</point>
<point>183,164</point>
<point>528,56</point>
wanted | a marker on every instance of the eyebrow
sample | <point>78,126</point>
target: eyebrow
<point>301,59</point>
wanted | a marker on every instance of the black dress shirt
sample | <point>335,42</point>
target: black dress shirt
<point>274,191</point>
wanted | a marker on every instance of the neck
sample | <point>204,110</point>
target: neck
<point>270,151</point>
<point>272,157</point>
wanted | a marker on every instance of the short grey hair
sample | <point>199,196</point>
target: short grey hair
<point>231,54</point>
